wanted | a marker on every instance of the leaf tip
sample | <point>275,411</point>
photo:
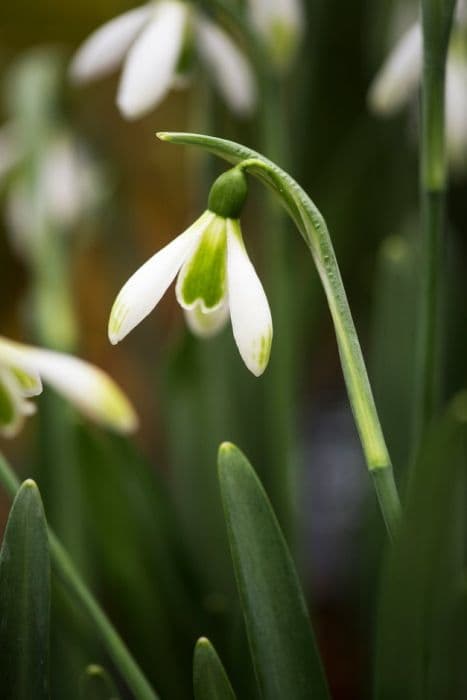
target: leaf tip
<point>163,135</point>
<point>226,449</point>
<point>29,484</point>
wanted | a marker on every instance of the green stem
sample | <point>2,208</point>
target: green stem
<point>437,21</point>
<point>71,580</point>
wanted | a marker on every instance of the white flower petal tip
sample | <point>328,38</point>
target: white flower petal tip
<point>206,325</point>
<point>151,63</point>
<point>229,67</point>
<point>249,308</point>
<point>143,291</point>
<point>88,388</point>
<point>399,76</point>
<point>105,49</point>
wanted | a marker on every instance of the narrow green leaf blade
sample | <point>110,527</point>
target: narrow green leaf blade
<point>282,643</point>
<point>25,599</point>
<point>424,572</point>
<point>210,681</point>
<point>96,684</point>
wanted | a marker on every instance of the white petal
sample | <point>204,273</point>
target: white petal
<point>456,111</point>
<point>145,288</point>
<point>249,308</point>
<point>105,49</point>
<point>151,62</point>
<point>229,67</point>
<point>400,74</point>
<point>203,324</point>
<point>87,387</point>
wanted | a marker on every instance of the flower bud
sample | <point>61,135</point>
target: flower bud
<point>228,194</point>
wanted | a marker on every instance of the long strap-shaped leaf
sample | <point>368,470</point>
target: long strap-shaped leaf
<point>73,583</point>
<point>423,581</point>
<point>25,600</point>
<point>283,647</point>
<point>210,681</point>
<point>312,226</point>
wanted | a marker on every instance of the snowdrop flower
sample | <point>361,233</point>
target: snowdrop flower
<point>88,388</point>
<point>399,79</point>
<point>280,23</point>
<point>153,42</point>
<point>215,279</point>
<point>67,185</point>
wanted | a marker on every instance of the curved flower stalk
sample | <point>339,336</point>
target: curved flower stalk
<point>155,43</point>
<point>89,389</point>
<point>313,228</point>
<point>215,279</point>
<point>280,24</point>
<point>399,79</point>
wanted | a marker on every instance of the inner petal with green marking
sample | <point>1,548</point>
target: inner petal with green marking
<point>203,277</point>
<point>7,405</point>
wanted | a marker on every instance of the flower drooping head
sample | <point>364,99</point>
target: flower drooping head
<point>398,81</point>
<point>215,278</point>
<point>155,43</point>
<point>88,388</point>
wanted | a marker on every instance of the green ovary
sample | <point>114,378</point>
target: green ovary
<point>204,277</point>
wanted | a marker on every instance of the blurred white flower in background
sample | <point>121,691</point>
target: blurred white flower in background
<point>280,23</point>
<point>85,386</point>
<point>67,185</point>
<point>399,79</point>
<point>155,44</point>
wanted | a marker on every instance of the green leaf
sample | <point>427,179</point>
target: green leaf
<point>96,684</point>
<point>25,599</point>
<point>423,580</point>
<point>282,643</point>
<point>210,681</point>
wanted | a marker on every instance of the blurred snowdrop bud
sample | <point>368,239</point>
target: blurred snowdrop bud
<point>150,42</point>
<point>85,386</point>
<point>399,79</point>
<point>215,279</point>
<point>399,76</point>
<point>280,23</point>
<point>67,186</point>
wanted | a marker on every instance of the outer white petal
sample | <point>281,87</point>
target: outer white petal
<point>456,111</point>
<point>145,288</point>
<point>399,75</point>
<point>105,49</point>
<point>249,308</point>
<point>87,387</point>
<point>230,69</point>
<point>151,62</point>
<point>203,324</point>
